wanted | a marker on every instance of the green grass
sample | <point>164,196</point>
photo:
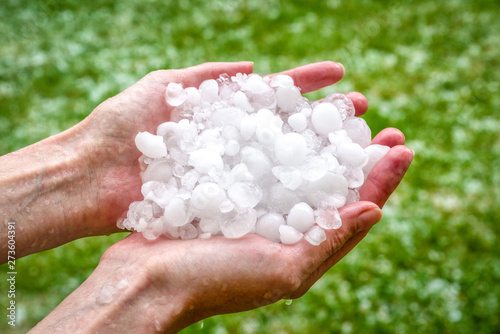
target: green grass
<point>429,68</point>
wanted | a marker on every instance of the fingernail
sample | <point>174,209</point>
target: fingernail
<point>343,68</point>
<point>369,218</point>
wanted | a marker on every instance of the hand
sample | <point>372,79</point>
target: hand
<point>183,281</point>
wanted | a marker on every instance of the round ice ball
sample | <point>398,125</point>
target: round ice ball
<point>150,145</point>
<point>175,94</point>
<point>205,160</point>
<point>326,118</point>
<point>289,235</point>
<point>290,149</point>
<point>301,217</point>
<point>351,154</point>
<point>298,122</point>
<point>206,198</point>
<point>268,226</point>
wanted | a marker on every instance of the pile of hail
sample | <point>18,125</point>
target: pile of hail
<point>250,154</point>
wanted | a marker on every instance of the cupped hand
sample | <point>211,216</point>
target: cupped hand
<point>221,275</point>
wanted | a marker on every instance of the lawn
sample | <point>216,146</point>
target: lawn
<point>429,68</point>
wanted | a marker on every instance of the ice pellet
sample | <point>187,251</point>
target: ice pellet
<point>290,149</point>
<point>289,235</point>
<point>175,94</point>
<point>150,145</point>
<point>301,217</point>
<point>326,118</point>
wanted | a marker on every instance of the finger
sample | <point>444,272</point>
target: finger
<point>356,218</point>
<point>315,76</point>
<point>386,175</point>
<point>389,137</point>
<point>195,75</point>
<point>360,102</point>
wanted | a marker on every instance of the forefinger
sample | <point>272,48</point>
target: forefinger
<point>315,76</point>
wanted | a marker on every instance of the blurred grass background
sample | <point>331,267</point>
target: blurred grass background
<point>428,68</point>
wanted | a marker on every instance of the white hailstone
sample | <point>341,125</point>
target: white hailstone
<point>169,130</point>
<point>158,192</point>
<point>351,154</point>
<point>239,222</point>
<point>255,85</point>
<point>187,232</point>
<point>244,194</point>
<point>226,116</point>
<point>328,218</point>
<point>358,131</point>
<point>300,217</point>
<point>338,137</point>
<point>268,226</point>
<point>326,118</point>
<point>314,168</point>
<point>280,199</point>
<point>230,132</point>
<point>231,148</point>
<point>290,149</point>
<point>289,235</point>
<point>315,236</point>
<point>157,170</point>
<point>352,196</point>
<point>209,90</point>
<point>240,100</point>
<point>276,125</point>
<point>206,198</point>
<point>306,111</point>
<point>289,176</point>
<point>375,153</point>
<point>298,122</point>
<point>226,206</point>
<point>193,96</point>
<point>265,136</point>
<point>287,98</point>
<point>205,160</point>
<point>240,173</point>
<point>151,145</point>
<point>175,94</point>
<point>246,154</point>
<point>329,184</point>
<point>189,179</point>
<point>176,212</point>
<point>210,224</point>
<point>248,125</point>
<point>354,177</point>
<point>281,80</point>
<point>343,104</point>
<point>256,161</point>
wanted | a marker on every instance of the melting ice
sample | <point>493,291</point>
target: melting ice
<point>247,154</point>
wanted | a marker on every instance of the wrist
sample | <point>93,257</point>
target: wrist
<point>48,191</point>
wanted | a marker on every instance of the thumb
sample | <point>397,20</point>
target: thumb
<point>357,219</point>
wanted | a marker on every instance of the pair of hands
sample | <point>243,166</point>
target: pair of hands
<point>183,281</point>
